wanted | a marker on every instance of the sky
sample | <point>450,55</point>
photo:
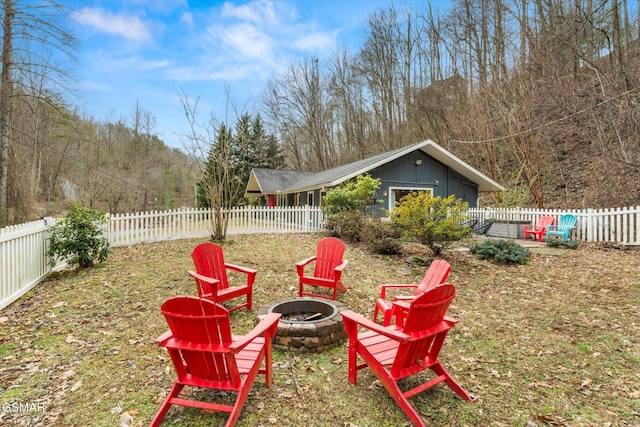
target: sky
<point>151,52</point>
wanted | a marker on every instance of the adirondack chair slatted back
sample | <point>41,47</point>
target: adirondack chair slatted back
<point>329,255</point>
<point>429,308</point>
<point>566,224</point>
<point>208,259</point>
<point>425,311</point>
<point>544,221</point>
<point>436,274</point>
<point>540,229</point>
<point>199,321</point>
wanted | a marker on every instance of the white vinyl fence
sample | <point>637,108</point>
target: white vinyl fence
<point>620,225</point>
<point>23,260</point>
<point>130,229</point>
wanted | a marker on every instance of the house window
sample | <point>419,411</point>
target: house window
<point>397,193</point>
<point>310,198</point>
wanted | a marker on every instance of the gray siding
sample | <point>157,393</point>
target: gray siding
<point>430,174</point>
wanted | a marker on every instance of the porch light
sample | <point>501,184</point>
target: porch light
<point>418,162</point>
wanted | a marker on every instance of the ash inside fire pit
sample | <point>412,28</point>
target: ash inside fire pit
<point>302,317</point>
<point>307,325</point>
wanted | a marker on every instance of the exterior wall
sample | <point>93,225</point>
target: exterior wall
<point>405,174</point>
<point>429,174</point>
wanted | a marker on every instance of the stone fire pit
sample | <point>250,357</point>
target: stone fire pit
<point>307,325</point>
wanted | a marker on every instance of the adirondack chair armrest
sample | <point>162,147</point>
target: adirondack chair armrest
<point>384,288</point>
<point>337,271</point>
<point>176,344</point>
<point>209,280</point>
<point>206,279</point>
<point>450,320</point>
<point>241,269</point>
<point>439,327</point>
<point>360,320</point>
<point>162,339</point>
<point>266,326</point>
<point>250,272</point>
<point>301,264</point>
<point>400,309</point>
<point>403,298</point>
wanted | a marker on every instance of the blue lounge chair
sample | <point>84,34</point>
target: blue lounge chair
<point>566,224</point>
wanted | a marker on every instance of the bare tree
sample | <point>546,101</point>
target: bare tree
<point>218,165</point>
<point>297,108</point>
<point>27,30</point>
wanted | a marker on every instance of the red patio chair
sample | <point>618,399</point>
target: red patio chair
<point>206,355</point>
<point>212,280</point>
<point>541,228</point>
<point>436,274</point>
<point>328,268</point>
<point>394,353</point>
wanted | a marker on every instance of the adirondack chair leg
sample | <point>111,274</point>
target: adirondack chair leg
<point>397,395</point>
<point>175,391</point>
<point>241,399</point>
<point>352,330</point>
<point>388,315</point>
<point>457,388</point>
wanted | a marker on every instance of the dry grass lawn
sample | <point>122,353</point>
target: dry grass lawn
<point>556,342</point>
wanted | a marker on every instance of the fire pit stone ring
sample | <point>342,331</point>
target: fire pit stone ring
<point>307,325</point>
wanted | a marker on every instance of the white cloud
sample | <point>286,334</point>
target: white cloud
<point>260,12</point>
<point>247,41</point>
<point>187,18</point>
<point>130,27</point>
<point>316,41</point>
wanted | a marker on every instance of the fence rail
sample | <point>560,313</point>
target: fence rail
<point>23,260</point>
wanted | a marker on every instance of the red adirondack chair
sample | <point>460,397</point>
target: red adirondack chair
<point>540,229</point>
<point>436,274</point>
<point>328,268</point>
<point>212,280</point>
<point>394,353</point>
<point>205,354</point>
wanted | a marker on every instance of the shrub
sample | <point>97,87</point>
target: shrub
<point>352,195</point>
<point>381,237</point>
<point>436,222</point>
<point>347,225</point>
<point>502,251</point>
<point>554,243</point>
<point>78,238</point>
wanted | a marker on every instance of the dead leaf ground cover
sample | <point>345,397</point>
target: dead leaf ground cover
<point>555,342</point>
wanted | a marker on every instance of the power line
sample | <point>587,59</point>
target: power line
<point>548,123</point>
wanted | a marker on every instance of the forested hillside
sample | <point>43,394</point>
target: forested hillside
<point>542,96</point>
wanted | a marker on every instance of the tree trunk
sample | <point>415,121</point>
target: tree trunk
<point>5,108</point>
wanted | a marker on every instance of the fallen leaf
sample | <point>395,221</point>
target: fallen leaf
<point>76,386</point>
<point>125,419</point>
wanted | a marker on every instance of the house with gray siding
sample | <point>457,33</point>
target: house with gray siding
<point>424,166</point>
